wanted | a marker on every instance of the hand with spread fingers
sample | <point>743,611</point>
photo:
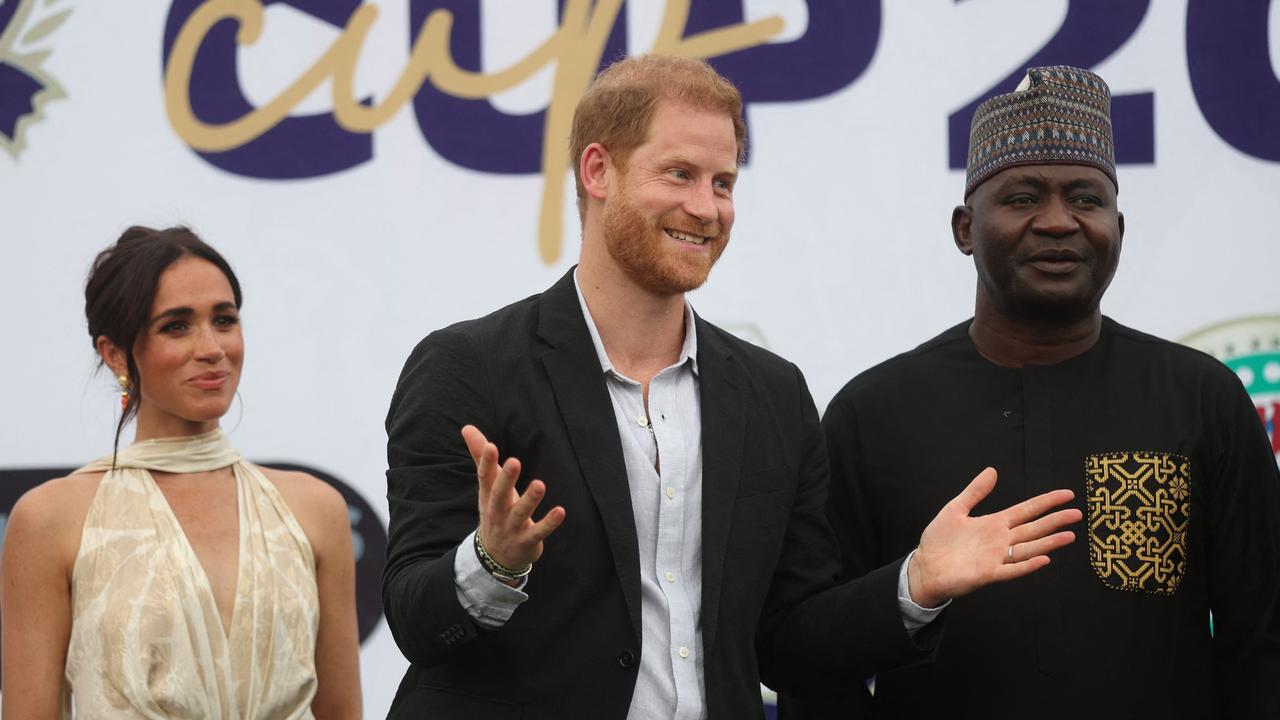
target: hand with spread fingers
<point>508,534</point>
<point>959,554</point>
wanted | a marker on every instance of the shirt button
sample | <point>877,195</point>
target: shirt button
<point>683,652</point>
<point>671,493</point>
<point>671,577</point>
<point>642,421</point>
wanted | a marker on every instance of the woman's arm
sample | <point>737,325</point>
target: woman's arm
<point>322,513</point>
<point>40,544</point>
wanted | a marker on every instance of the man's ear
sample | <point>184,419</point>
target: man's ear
<point>112,356</point>
<point>595,168</point>
<point>1120,239</point>
<point>962,227</point>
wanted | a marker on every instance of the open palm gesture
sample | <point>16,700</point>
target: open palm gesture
<point>959,553</point>
<point>510,535</point>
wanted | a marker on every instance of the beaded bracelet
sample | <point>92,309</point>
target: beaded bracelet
<point>495,568</point>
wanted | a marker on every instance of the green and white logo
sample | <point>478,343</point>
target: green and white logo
<point>1251,347</point>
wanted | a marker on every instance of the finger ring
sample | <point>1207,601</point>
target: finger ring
<point>1009,557</point>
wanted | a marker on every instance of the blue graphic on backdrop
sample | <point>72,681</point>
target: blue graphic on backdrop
<point>298,147</point>
<point>835,50</point>
<point>450,93</point>
<point>1092,32</point>
<point>25,26</point>
<point>1227,59</point>
<point>1227,52</point>
<point>18,89</point>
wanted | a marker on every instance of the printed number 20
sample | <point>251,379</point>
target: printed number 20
<point>1228,60</point>
<point>1092,31</point>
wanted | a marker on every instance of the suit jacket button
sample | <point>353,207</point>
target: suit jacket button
<point>626,660</point>
<point>452,634</point>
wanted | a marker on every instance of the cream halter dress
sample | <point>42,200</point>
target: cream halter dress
<point>147,640</point>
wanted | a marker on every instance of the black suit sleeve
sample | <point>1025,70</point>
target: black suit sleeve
<point>855,529</point>
<point>850,509</point>
<point>814,633</point>
<point>1244,559</point>
<point>432,494</point>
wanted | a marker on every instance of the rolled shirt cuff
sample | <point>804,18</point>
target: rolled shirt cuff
<point>914,617</point>
<point>487,600</point>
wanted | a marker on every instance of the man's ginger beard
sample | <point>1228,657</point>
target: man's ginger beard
<point>640,247</point>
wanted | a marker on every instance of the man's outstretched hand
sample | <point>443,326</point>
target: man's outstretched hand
<point>959,554</point>
<point>507,529</point>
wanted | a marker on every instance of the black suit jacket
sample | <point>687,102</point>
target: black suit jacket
<point>529,378</point>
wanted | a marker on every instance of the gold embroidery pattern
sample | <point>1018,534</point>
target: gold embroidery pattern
<point>1139,511</point>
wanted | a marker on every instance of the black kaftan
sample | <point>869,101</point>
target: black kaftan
<point>1181,497</point>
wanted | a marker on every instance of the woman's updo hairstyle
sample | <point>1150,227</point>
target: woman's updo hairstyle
<point>122,285</point>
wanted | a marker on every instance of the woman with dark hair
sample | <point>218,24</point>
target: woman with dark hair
<point>171,578</point>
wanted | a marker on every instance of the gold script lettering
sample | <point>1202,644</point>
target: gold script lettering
<point>576,49</point>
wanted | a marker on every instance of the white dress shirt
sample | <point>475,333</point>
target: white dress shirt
<point>662,450</point>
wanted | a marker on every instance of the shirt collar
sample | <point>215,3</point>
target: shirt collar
<point>688,352</point>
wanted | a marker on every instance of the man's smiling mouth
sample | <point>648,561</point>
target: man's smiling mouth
<point>685,237</point>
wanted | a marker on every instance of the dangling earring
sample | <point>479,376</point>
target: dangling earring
<point>124,391</point>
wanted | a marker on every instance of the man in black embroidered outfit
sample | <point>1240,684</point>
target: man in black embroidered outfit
<point>1161,444</point>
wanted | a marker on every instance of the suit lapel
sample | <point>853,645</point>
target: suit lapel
<point>583,399</point>
<point>723,387</point>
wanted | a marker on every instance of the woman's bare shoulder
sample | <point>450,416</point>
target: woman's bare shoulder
<point>52,513</point>
<point>312,493</point>
<point>317,505</point>
<point>59,497</point>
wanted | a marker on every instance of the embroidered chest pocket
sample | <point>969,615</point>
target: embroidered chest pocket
<point>1139,512</point>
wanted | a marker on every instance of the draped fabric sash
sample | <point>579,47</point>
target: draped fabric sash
<point>147,640</point>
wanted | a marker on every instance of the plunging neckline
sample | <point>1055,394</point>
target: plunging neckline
<point>202,576</point>
<point>145,620</point>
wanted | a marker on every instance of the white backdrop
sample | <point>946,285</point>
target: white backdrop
<point>841,255</point>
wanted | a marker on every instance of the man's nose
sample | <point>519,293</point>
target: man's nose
<point>701,203</point>
<point>1056,218</point>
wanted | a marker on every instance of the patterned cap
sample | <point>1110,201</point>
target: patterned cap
<point>1057,116</point>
